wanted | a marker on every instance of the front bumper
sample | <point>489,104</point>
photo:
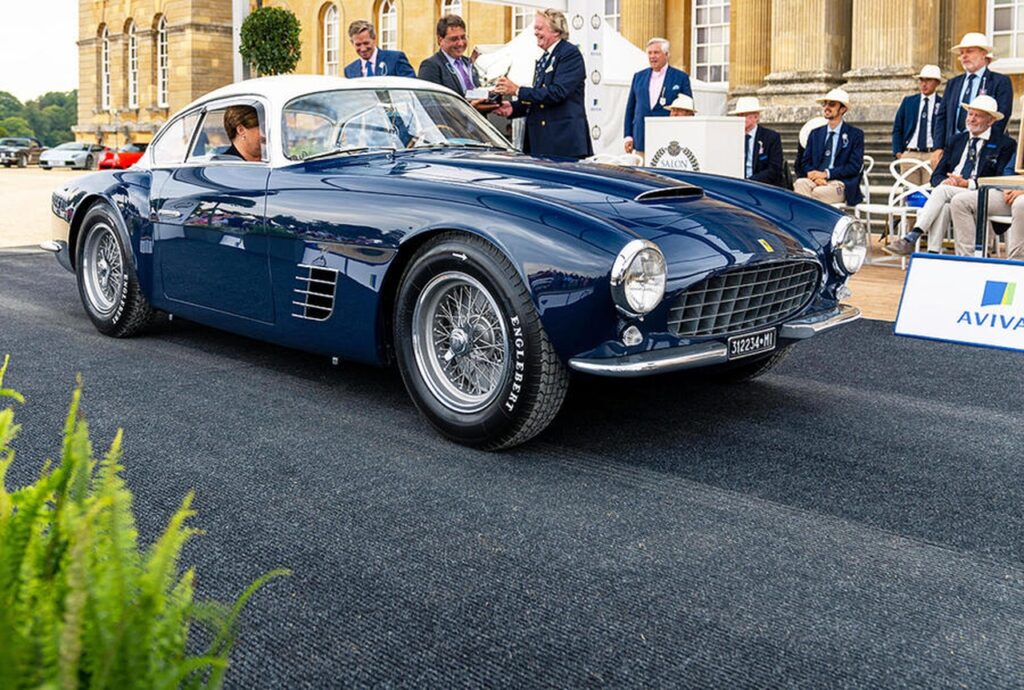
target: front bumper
<point>60,248</point>
<point>709,353</point>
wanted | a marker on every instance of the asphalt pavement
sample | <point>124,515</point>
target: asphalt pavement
<point>853,519</point>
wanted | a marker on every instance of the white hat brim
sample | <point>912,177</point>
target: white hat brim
<point>996,114</point>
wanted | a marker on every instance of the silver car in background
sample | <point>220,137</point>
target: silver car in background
<point>73,154</point>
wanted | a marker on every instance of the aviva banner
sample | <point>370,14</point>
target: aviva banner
<point>963,300</point>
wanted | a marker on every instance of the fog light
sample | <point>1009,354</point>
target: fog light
<point>632,336</point>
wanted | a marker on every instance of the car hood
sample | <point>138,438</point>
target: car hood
<point>687,225</point>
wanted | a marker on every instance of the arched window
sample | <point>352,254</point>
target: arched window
<point>330,29</point>
<point>522,19</point>
<point>162,69</point>
<point>387,25</point>
<point>104,69</point>
<point>133,66</point>
<point>451,7</point>
<point>711,41</point>
<point>613,13</point>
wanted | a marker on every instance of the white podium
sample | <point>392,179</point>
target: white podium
<point>712,144</point>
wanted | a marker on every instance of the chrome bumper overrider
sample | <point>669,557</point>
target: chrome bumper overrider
<point>60,248</point>
<point>704,354</point>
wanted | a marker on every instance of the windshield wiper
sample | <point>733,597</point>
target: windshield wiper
<point>339,152</point>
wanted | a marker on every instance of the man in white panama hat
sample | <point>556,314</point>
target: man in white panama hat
<point>980,151</point>
<point>762,160</point>
<point>913,130</point>
<point>682,106</point>
<point>977,80</point>
<point>830,167</point>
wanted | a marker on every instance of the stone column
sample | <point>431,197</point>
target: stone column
<point>891,41</point>
<point>810,51</point>
<point>642,20</point>
<point>750,40</point>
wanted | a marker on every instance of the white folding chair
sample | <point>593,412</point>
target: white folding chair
<point>865,186</point>
<point>896,207</point>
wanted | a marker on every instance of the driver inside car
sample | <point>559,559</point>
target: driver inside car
<point>242,124</point>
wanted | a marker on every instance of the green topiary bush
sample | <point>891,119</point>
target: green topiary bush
<point>80,605</point>
<point>270,40</point>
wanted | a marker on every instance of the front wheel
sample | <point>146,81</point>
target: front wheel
<point>106,279</point>
<point>88,163</point>
<point>471,348</point>
<point>22,161</point>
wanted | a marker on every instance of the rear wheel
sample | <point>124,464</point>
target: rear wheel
<point>88,163</point>
<point>470,346</point>
<point>106,280</point>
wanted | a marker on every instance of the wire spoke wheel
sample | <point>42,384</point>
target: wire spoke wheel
<point>460,341</point>
<point>103,269</point>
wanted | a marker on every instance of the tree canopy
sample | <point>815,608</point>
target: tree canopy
<point>48,118</point>
<point>270,40</point>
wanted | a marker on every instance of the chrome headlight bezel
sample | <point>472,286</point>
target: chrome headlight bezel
<point>625,275</point>
<point>849,245</point>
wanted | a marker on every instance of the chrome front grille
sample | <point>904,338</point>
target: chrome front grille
<point>744,298</point>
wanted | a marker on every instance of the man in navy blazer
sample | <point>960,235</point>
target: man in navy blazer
<point>374,62</point>
<point>830,167</point>
<point>651,92</point>
<point>980,151</point>
<point>977,80</point>
<point>914,132</point>
<point>762,159</point>
<point>554,107</point>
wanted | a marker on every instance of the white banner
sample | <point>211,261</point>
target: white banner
<point>964,300</point>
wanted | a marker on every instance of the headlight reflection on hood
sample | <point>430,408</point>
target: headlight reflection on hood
<point>638,278</point>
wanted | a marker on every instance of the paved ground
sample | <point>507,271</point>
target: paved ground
<point>852,520</point>
<point>25,204</point>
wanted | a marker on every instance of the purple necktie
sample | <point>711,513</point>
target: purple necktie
<point>467,81</point>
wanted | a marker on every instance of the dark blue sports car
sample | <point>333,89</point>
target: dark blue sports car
<point>383,220</point>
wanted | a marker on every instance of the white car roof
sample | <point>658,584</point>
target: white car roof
<point>279,90</point>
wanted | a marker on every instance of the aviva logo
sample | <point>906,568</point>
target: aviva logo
<point>998,293</point>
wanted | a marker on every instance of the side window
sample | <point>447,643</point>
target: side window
<point>172,145</point>
<point>215,143</point>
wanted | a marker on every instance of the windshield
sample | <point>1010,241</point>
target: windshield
<point>73,145</point>
<point>13,142</point>
<point>367,119</point>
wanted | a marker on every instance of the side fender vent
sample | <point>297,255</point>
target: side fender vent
<point>315,294</point>
<point>670,194</point>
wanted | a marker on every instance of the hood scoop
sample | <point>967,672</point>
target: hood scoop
<point>657,196</point>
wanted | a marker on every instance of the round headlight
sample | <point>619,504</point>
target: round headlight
<point>638,277</point>
<point>849,244</point>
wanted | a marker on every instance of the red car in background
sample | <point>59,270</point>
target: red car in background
<point>124,157</point>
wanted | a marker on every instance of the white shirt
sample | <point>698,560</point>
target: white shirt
<point>749,154</point>
<point>930,102</point>
<point>372,61</point>
<point>982,140</point>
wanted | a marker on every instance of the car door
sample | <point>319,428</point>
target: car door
<point>210,247</point>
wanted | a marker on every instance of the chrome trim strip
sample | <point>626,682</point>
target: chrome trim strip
<point>818,323</point>
<point>60,248</point>
<point>657,362</point>
<point>167,213</point>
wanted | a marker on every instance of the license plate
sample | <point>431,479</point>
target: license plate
<point>751,344</point>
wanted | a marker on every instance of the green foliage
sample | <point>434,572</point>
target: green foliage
<point>270,40</point>
<point>48,118</point>
<point>80,605</point>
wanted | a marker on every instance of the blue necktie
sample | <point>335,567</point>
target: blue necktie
<point>542,65</point>
<point>369,68</point>
<point>922,127</point>
<point>961,117</point>
<point>826,159</point>
<point>972,155</point>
